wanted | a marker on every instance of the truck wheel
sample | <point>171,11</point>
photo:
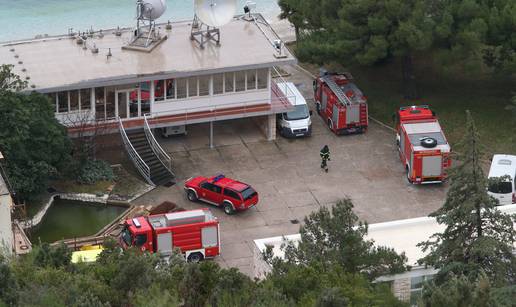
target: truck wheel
<point>408,176</point>
<point>195,257</point>
<point>191,195</point>
<point>318,108</point>
<point>330,124</point>
<point>228,208</point>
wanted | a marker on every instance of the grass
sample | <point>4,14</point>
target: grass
<point>450,95</point>
<point>69,186</point>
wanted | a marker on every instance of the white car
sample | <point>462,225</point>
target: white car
<point>504,191</point>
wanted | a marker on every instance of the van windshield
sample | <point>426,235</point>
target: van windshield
<point>299,112</point>
<point>504,187</point>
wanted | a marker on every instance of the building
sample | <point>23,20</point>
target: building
<point>101,84</point>
<point>401,235</point>
<point>95,77</point>
<point>6,206</point>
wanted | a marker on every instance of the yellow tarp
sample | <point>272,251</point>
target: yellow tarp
<point>86,256</point>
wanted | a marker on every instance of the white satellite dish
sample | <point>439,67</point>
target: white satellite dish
<point>215,13</point>
<point>152,9</point>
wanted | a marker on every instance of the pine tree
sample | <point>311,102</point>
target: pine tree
<point>478,237</point>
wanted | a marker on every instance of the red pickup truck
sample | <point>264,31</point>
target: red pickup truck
<point>223,192</point>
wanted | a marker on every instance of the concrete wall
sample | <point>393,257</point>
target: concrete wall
<point>6,232</point>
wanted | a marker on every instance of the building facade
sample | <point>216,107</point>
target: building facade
<point>94,79</point>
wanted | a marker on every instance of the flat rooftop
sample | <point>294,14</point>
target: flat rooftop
<point>59,63</point>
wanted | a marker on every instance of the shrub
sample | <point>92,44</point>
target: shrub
<point>95,170</point>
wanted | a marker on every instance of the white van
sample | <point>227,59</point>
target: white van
<point>503,165</point>
<point>297,122</point>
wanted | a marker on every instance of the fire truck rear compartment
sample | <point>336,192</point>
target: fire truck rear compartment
<point>432,166</point>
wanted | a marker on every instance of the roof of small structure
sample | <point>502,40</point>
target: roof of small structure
<point>59,63</point>
<point>401,235</point>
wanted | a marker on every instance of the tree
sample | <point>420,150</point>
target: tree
<point>338,237</point>
<point>368,32</point>
<point>9,81</point>
<point>478,237</point>
<point>34,143</point>
<point>8,284</point>
<point>475,32</point>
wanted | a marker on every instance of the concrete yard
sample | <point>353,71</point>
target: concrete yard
<point>289,180</point>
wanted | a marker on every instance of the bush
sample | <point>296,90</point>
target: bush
<point>95,170</point>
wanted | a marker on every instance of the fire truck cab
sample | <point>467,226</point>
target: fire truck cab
<point>340,103</point>
<point>422,146</point>
<point>194,232</point>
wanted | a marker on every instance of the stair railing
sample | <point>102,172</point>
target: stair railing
<point>156,148</point>
<point>141,166</point>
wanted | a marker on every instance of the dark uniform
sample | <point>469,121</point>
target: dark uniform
<point>325,156</point>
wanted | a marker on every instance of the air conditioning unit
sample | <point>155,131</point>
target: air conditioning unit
<point>173,130</point>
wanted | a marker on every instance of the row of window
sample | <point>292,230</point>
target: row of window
<point>215,84</point>
<point>179,88</point>
<point>72,100</point>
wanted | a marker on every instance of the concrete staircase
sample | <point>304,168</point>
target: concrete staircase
<point>160,173</point>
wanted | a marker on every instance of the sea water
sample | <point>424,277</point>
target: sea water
<point>23,19</point>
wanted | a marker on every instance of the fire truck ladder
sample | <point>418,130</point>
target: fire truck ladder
<point>337,90</point>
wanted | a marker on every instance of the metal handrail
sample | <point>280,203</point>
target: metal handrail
<point>156,148</point>
<point>142,167</point>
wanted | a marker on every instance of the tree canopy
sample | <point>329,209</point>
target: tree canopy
<point>35,145</point>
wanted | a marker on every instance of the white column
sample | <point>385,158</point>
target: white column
<point>211,134</point>
<point>270,127</point>
<point>92,101</point>
<point>152,95</point>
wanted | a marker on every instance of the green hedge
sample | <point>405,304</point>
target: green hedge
<point>95,170</point>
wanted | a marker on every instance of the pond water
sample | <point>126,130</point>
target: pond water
<point>67,219</point>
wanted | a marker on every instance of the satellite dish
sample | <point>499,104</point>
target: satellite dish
<point>152,9</point>
<point>215,13</point>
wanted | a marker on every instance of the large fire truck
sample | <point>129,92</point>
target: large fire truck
<point>340,103</point>
<point>194,232</point>
<point>422,145</point>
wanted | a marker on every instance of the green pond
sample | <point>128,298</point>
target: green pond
<point>67,219</point>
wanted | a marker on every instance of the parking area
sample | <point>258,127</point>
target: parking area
<point>287,175</point>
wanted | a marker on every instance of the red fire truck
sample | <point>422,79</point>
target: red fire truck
<point>195,232</point>
<point>422,145</point>
<point>340,103</point>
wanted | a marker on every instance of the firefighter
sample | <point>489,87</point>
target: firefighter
<point>325,156</point>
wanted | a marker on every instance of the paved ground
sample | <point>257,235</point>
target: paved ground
<point>288,178</point>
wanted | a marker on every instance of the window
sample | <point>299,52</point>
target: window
<point>204,85</point>
<point>159,90</point>
<point>192,87</point>
<point>74,100</point>
<point>218,84</point>
<point>100,107</point>
<point>139,240</point>
<point>171,88</point>
<point>229,82</point>
<point>181,88</point>
<point>85,99</point>
<point>263,78</point>
<point>110,103</point>
<point>499,187</point>
<point>211,187</point>
<point>231,193</point>
<point>240,81</point>
<point>416,288</point>
<point>248,193</point>
<point>209,237</point>
<point>251,79</point>
<point>62,100</point>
